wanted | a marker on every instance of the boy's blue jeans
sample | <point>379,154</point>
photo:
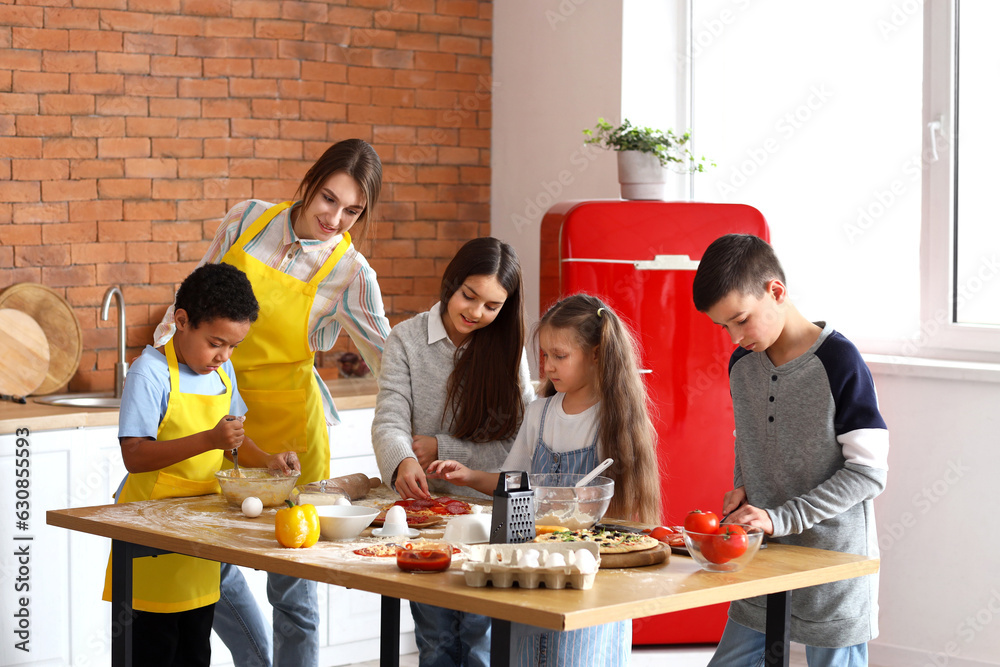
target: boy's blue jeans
<point>742,647</point>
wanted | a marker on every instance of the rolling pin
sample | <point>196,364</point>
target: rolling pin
<point>356,485</point>
<point>326,491</point>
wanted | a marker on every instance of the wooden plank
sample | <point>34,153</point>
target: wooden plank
<point>24,353</point>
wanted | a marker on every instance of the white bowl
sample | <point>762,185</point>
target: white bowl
<point>344,522</point>
<point>468,529</point>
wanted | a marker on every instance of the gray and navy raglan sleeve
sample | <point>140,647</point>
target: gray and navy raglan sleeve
<point>863,438</point>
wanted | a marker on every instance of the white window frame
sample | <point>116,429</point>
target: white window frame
<point>940,335</point>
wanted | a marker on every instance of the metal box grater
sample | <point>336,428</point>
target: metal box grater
<point>513,509</point>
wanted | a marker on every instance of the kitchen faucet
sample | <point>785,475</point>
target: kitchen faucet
<point>121,367</point>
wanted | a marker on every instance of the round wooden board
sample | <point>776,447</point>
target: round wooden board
<point>62,329</point>
<point>24,353</point>
<point>657,554</point>
<point>430,521</point>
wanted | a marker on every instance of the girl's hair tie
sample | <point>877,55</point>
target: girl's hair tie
<point>599,311</point>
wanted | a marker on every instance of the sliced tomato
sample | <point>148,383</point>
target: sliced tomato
<point>661,533</point>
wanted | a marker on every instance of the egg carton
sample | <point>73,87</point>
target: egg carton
<point>503,565</point>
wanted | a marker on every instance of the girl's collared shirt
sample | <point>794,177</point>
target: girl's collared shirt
<point>348,298</point>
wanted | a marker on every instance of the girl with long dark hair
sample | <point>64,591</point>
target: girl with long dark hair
<point>454,384</point>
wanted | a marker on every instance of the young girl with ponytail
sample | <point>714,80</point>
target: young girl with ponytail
<point>593,406</point>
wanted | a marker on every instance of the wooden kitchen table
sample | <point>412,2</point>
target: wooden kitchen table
<point>208,528</point>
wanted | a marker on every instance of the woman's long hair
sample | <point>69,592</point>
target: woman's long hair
<point>484,389</point>
<point>624,429</point>
<point>357,159</point>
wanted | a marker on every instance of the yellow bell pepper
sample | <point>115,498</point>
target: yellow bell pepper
<point>296,526</point>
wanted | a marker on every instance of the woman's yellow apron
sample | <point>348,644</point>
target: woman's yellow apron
<point>274,365</point>
<point>172,582</point>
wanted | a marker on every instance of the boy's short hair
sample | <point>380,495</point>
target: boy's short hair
<point>742,262</point>
<point>217,290</point>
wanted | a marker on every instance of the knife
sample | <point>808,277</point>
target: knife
<point>13,399</point>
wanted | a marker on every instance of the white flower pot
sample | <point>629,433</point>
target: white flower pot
<point>641,175</point>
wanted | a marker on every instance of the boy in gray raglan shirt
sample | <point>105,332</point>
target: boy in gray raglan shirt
<point>811,450</point>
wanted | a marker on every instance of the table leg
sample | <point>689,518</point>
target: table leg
<point>389,641</point>
<point>122,555</point>
<point>776,629</point>
<point>500,642</point>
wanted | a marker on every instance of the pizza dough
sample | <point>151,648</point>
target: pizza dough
<point>608,541</point>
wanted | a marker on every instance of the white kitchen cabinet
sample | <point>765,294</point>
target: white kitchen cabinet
<point>354,616</point>
<point>68,621</point>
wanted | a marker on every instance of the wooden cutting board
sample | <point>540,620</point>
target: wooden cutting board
<point>62,329</point>
<point>657,554</point>
<point>427,523</point>
<point>24,353</point>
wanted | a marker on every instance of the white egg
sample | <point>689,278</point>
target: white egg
<point>555,559</point>
<point>585,561</point>
<point>342,501</point>
<point>252,507</point>
<point>529,558</point>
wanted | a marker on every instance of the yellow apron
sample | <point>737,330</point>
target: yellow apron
<point>172,582</point>
<point>274,365</point>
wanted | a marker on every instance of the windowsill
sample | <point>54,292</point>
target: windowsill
<point>940,369</point>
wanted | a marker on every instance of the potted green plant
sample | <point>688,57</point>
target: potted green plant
<point>645,155</point>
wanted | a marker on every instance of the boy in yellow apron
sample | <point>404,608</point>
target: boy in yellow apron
<point>176,422</point>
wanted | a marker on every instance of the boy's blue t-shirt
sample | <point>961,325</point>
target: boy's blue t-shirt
<point>147,390</point>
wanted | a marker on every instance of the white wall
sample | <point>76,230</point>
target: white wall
<point>940,588</point>
<point>558,67</point>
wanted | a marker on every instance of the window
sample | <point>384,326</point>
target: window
<point>961,283</point>
<point>813,113</point>
<point>840,122</point>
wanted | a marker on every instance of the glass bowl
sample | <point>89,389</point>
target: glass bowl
<point>424,556</point>
<point>271,486</point>
<point>721,552</point>
<point>559,503</point>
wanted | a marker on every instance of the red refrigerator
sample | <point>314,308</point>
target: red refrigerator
<point>640,257</point>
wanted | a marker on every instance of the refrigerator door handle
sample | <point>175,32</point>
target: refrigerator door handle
<point>667,263</point>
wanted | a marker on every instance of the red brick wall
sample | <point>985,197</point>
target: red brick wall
<point>129,127</point>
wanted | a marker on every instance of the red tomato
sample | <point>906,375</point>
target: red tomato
<point>701,522</point>
<point>729,543</point>
<point>707,548</point>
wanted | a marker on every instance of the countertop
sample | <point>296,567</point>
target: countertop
<point>207,527</point>
<point>348,394</point>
